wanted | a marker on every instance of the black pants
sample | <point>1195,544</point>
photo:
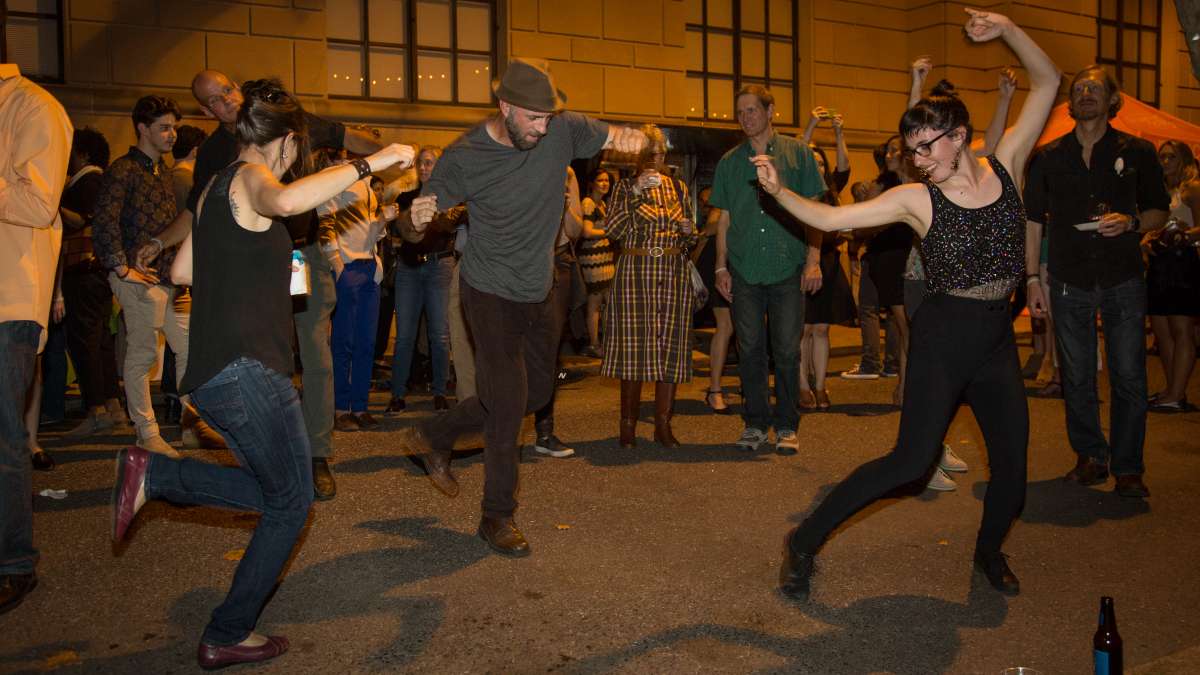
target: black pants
<point>960,348</point>
<point>516,346</point>
<point>560,298</point>
<point>89,302</point>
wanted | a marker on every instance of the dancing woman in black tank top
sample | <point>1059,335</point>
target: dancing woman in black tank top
<point>238,260</point>
<point>972,228</point>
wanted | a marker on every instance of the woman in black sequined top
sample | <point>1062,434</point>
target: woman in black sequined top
<point>971,224</point>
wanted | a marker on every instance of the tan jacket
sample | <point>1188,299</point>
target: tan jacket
<point>35,135</point>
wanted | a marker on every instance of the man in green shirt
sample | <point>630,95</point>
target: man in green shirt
<point>764,267</point>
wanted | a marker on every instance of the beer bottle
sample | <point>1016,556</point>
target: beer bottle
<point>1107,650</point>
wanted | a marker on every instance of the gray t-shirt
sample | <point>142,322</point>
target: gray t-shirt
<point>514,202</point>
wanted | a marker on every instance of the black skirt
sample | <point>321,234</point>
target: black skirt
<point>834,303</point>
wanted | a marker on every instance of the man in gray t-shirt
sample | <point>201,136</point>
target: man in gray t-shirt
<point>509,171</point>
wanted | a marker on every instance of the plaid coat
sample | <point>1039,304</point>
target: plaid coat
<point>648,323</point>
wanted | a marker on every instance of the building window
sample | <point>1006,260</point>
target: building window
<point>32,38</point>
<point>1130,39</point>
<point>440,51</point>
<point>731,43</point>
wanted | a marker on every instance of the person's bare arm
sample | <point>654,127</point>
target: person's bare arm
<point>999,123</point>
<point>814,118</point>
<point>908,204</point>
<point>843,153</point>
<point>270,198</point>
<point>722,278</point>
<point>181,268</point>
<point>1013,150</point>
<point>920,71</point>
<point>590,229</point>
<point>71,219</point>
<point>1033,263</point>
<point>572,221</point>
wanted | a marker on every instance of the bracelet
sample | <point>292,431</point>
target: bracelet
<point>362,166</point>
<point>1032,279</point>
<point>156,240</point>
<point>720,269</point>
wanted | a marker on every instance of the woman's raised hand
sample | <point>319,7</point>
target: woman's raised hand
<point>983,26</point>
<point>920,68</point>
<point>396,154</point>
<point>1008,82</point>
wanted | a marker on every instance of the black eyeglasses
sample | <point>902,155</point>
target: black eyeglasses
<point>926,148</point>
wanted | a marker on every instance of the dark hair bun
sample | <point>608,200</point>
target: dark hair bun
<point>267,89</point>
<point>943,88</point>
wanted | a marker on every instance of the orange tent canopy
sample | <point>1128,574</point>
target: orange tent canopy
<point>1134,118</point>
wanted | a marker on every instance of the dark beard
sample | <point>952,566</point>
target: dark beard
<point>1076,115</point>
<point>515,135</point>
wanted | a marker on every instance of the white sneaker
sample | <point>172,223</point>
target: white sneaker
<point>951,461</point>
<point>751,438</point>
<point>942,482</point>
<point>156,443</point>
<point>786,442</point>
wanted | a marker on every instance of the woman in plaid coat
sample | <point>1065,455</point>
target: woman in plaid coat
<point>649,318</point>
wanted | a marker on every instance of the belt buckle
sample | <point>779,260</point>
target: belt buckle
<point>423,257</point>
<point>656,252</point>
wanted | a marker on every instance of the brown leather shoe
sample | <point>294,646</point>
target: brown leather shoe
<point>502,535</point>
<point>808,401</point>
<point>1087,472</point>
<point>132,463</point>
<point>346,422</point>
<point>14,588</point>
<point>437,467</point>
<point>1131,486</point>
<point>195,433</point>
<point>212,657</point>
<point>396,405</point>
<point>324,486</point>
<point>366,420</point>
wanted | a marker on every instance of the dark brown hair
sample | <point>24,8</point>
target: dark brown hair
<point>269,112</point>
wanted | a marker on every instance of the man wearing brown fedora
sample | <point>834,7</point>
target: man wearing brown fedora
<point>509,171</point>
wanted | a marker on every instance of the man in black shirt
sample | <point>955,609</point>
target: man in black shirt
<point>1097,189</point>
<point>221,99</point>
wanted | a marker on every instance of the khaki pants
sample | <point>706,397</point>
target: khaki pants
<point>146,311</point>
<point>460,345</point>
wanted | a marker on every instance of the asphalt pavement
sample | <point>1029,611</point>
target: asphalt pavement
<point>644,561</point>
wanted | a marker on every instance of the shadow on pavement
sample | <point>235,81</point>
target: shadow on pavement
<point>606,452</point>
<point>898,633</point>
<point>1057,502</point>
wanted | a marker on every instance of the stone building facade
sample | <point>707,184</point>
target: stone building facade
<point>664,61</point>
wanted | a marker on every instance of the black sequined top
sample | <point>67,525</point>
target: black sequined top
<point>976,253</point>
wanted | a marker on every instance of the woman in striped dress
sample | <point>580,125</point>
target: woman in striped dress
<point>649,318</point>
<point>597,256</point>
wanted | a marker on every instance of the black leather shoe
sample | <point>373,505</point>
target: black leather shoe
<point>1131,486</point>
<point>995,567</point>
<point>502,535</point>
<point>324,487</point>
<point>440,404</point>
<point>14,588</point>
<point>795,574</point>
<point>396,405</point>
<point>212,657</point>
<point>1087,472</point>
<point>43,461</point>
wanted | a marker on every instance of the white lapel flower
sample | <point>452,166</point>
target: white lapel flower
<point>1119,166</point>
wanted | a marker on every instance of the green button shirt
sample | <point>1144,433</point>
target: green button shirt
<point>765,244</point>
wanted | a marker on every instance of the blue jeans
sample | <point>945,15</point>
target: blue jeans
<point>54,373</point>
<point>258,412</point>
<point>426,287</point>
<point>1123,312</point>
<point>18,344</point>
<point>757,308</point>
<point>353,340</point>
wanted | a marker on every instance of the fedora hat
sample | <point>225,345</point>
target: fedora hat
<point>527,83</point>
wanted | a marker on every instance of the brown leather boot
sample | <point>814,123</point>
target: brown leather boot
<point>664,406</point>
<point>631,401</point>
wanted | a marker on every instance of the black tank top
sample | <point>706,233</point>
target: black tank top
<point>241,296</point>
<point>976,252</point>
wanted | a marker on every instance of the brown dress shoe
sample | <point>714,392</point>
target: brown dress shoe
<point>1132,486</point>
<point>366,420</point>
<point>396,405</point>
<point>437,467</point>
<point>346,422</point>
<point>1087,472</point>
<point>502,535</point>
<point>14,588</point>
<point>212,657</point>
<point>324,486</point>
